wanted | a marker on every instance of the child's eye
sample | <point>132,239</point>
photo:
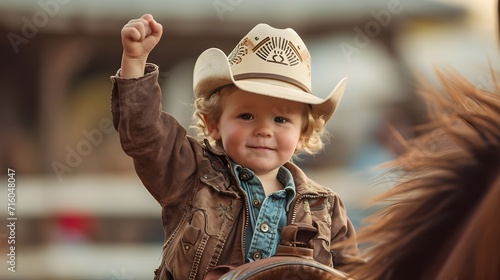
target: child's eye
<point>280,120</point>
<point>246,117</point>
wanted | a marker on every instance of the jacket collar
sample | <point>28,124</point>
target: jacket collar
<point>304,185</point>
<point>217,149</point>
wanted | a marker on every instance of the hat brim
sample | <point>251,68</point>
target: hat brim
<point>213,71</point>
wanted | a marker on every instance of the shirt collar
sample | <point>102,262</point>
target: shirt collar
<point>284,177</point>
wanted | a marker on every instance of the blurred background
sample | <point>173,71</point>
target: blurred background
<point>82,212</point>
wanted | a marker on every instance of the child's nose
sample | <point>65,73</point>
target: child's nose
<point>264,129</point>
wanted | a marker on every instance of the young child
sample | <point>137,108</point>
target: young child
<point>226,198</point>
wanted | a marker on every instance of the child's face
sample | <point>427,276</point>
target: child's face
<point>259,132</point>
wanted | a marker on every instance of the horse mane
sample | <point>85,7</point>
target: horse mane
<point>439,220</point>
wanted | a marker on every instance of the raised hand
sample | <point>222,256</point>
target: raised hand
<point>139,37</point>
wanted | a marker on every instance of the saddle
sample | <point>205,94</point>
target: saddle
<point>293,260</point>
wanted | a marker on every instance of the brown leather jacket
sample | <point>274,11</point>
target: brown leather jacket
<point>204,211</point>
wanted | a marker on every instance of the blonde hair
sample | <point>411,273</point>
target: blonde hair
<point>312,137</point>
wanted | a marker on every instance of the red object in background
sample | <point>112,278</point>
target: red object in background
<point>76,227</point>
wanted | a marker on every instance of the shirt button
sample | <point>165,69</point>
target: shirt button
<point>257,256</point>
<point>256,203</point>
<point>245,176</point>
<point>264,227</point>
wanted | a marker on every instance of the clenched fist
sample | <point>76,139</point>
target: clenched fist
<point>139,37</point>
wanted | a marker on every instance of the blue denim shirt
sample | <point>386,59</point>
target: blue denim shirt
<point>267,214</point>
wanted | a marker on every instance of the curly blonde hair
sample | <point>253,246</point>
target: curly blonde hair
<point>312,137</point>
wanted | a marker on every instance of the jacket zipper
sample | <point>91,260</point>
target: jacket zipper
<point>247,217</point>
<point>197,258</point>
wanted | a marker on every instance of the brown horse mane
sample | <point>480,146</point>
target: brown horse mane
<point>439,220</point>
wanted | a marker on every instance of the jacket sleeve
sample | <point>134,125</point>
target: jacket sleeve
<point>163,155</point>
<point>346,255</point>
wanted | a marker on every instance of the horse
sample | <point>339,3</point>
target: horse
<point>438,220</point>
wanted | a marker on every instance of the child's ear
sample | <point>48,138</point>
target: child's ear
<point>212,127</point>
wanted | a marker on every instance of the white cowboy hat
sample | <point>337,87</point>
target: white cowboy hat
<point>267,61</point>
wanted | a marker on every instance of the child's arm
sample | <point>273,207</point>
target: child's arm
<point>345,257</point>
<point>164,157</point>
<point>139,37</point>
